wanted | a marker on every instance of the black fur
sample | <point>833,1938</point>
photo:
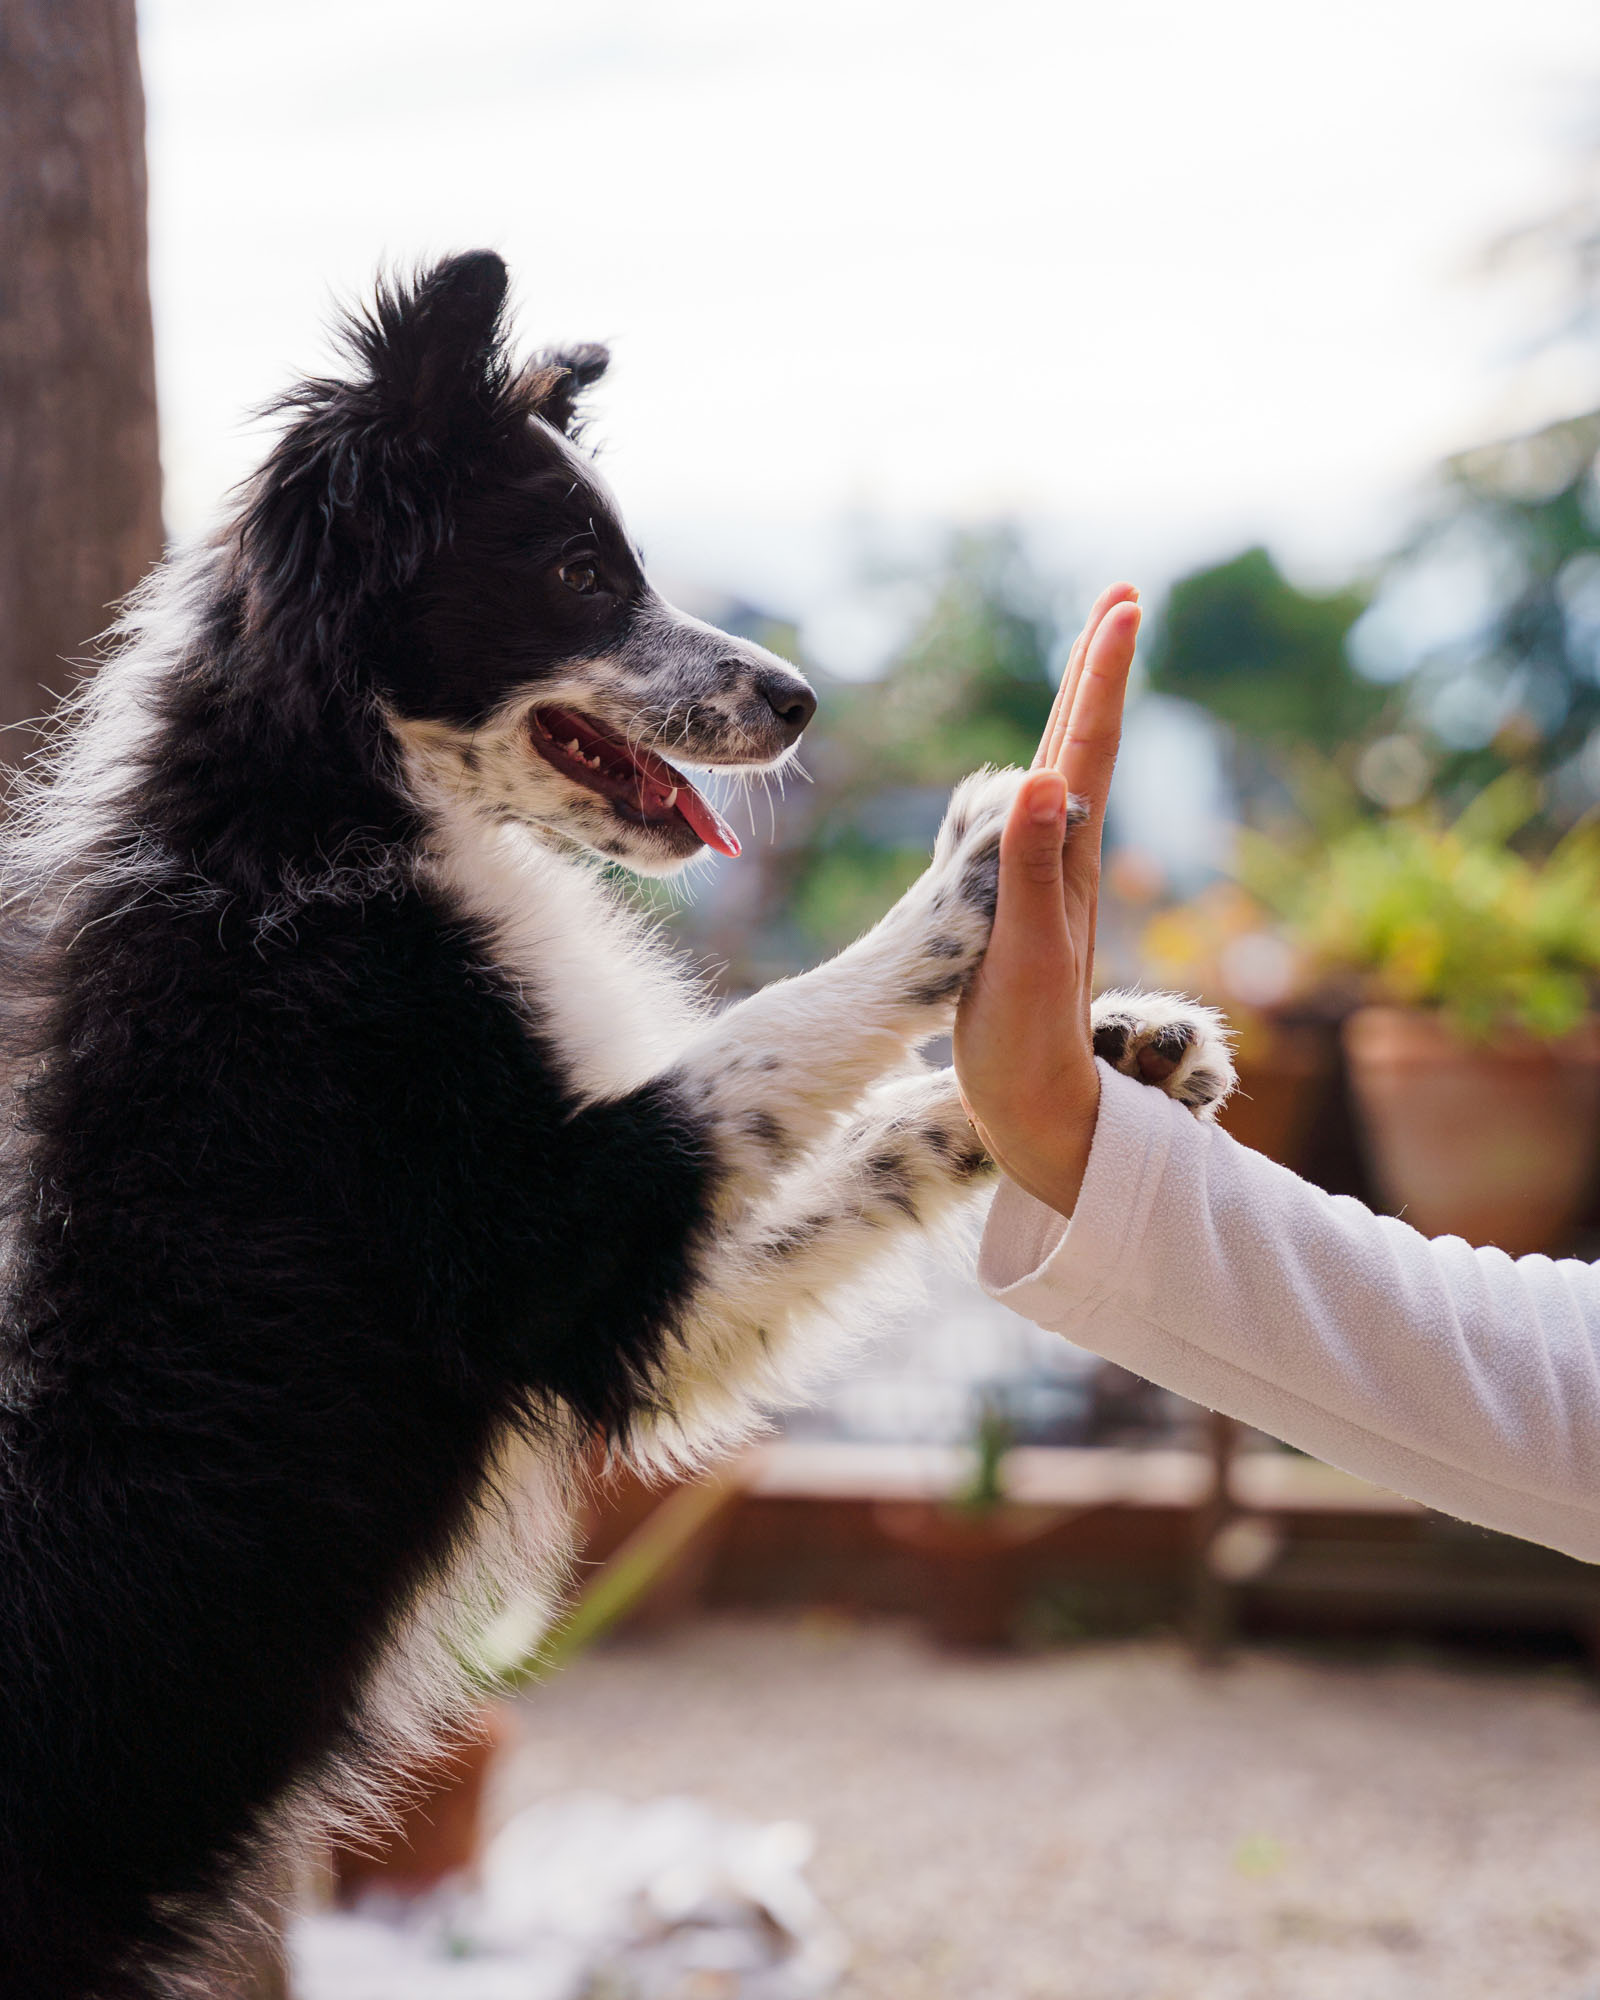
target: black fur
<point>890,1178</point>
<point>929,993</point>
<point>305,1211</point>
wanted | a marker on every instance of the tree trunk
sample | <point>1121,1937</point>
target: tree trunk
<point>80,478</point>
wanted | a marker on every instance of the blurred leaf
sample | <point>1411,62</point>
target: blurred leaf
<point>849,885</point>
<point>972,685</point>
<point>1448,916</point>
<point>1242,641</point>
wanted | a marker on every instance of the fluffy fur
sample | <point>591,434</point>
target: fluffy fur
<point>369,1165</point>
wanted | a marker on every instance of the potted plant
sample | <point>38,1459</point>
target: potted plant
<point>646,1547</point>
<point>972,1544</point>
<point>1474,1052</point>
<point>435,1829</point>
<point>1226,945</point>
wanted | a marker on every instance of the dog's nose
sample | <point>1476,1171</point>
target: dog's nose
<point>790,699</point>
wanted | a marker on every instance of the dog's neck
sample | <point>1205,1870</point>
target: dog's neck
<point>598,981</point>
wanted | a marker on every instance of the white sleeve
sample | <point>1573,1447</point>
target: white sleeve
<point>1460,1377</point>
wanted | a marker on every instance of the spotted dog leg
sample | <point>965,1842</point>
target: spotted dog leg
<point>1178,1045</point>
<point>758,1319</point>
<point>772,1076</point>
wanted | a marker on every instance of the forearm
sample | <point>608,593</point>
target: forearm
<point>1458,1376</point>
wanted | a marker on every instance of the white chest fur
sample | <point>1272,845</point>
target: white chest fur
<point>606,991</point>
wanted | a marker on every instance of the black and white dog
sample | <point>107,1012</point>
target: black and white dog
<point>368,1162</point>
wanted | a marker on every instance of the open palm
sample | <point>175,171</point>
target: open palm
<point>1022,1045</point>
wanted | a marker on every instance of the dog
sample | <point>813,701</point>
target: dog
<point>369,1165</point>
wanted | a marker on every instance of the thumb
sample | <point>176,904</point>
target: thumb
<point>1030,908</point>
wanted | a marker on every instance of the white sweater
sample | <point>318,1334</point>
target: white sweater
<point>1461,1377</point>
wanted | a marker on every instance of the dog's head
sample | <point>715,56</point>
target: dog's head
<point>429,534</point>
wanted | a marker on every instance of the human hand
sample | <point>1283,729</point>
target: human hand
<point>1023,1054</point>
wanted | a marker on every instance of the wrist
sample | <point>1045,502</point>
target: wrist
<point>1044,1148</point>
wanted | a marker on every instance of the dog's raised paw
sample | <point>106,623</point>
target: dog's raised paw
<point>946,917</point>
<point>940,928</point>
<point>969,838</point>
<point>1177,1045</point>
<point>966,854</point>
<point>964,879</point>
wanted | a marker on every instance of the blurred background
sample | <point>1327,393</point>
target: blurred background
<point>927,320</point>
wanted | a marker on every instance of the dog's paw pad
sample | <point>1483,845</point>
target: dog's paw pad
<point>1176,1045</point>
<point>1159,1059</point>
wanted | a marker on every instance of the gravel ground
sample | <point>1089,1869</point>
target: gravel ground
<point>1108,1824</point>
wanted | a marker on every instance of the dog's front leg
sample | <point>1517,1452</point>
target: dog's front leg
<point>769,1278</point>
<point>757,1324</point>
<point>774,1074</point>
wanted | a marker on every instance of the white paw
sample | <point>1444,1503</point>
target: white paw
<point>951,909</point>
<point>974,818</point>
<point>969,838</point>
<point>1177,1045</point>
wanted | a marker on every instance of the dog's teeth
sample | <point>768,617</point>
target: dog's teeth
<point>672,797</point>
<point>573,747</point>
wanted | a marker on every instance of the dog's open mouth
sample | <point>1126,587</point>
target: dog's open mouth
<point>637,783</point>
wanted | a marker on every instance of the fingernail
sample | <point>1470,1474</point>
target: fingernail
<point>1047,798</point>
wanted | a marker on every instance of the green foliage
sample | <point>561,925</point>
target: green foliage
<point>1240,640</point>
<point>849,884</point>
<point>1449,916</point>
<point>972,685</point>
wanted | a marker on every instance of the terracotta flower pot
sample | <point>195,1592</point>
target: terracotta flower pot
<point>439,1823</point>
<point>1283,1080</point>
<point>974,1563</point>
<point>1496,1143</point>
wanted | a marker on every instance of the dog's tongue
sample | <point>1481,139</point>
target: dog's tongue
<point>712,828</point>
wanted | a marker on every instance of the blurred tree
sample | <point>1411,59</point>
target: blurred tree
<point>1265,657</point>
<point>972,685</point>
<point>1513,534</point>
<point>1523,685</point>
<point>1564,245</point>
<point>974,682</point>
<point>80,493</point>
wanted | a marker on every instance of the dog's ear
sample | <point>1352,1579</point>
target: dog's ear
<point>552,386</point>
<point>434,347</point>
<point>358,488</point>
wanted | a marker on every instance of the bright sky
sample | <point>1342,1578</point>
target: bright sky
<point>1159,275</point>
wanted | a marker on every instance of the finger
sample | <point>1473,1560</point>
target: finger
<point>1030,920</point>
<point>1050,741</point>
<point>1088,758</point>
<point>1089,752</point>
<point>1061,708</point>
<point>1119,593</point>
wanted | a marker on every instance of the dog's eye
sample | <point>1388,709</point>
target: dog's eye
<point>582,577</point>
